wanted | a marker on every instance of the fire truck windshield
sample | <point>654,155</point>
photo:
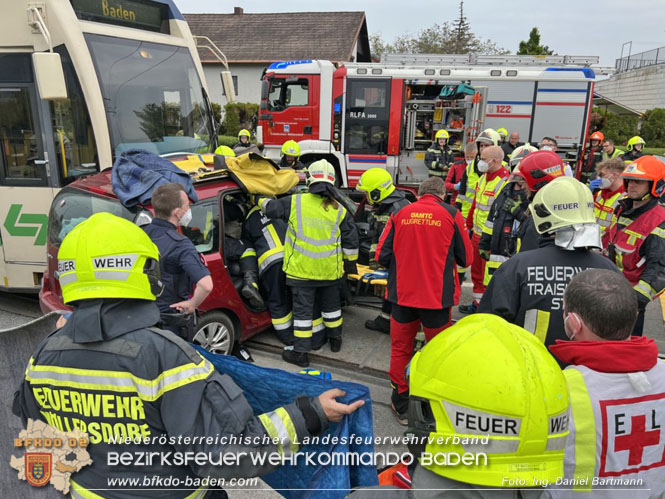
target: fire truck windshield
<point>153,96</point>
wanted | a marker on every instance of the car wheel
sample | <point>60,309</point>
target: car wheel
<point>216,333</point>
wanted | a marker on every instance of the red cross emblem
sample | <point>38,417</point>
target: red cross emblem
<point>633,435</point>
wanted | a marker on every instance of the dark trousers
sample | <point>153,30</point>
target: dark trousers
<point>639,323</point>
<point>278,299</point>
<point>180,324</point>
<point>310,305</point>
<point>404,325</point>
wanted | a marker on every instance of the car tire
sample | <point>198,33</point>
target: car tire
<point>216,332</point>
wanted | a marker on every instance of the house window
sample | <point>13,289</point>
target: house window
<point>235,86</point>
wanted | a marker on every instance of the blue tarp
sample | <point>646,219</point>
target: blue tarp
<point>267,389</point>
<point>137,173</point>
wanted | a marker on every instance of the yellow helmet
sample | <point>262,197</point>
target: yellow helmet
<point>107,256</point>
<point>244,133</point>
<point>291,148</point>
<point>563,202</point>
<point>377,183</point>
<point>503,133</point>
<point>442,134</point>
<point>633,141</point>
<point>321,171</point>
<point>489,135</point>
<point>519,402</point>
<point>225,151</point>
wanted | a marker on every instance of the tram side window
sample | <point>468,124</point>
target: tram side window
<point>18,137</point>
<point>284,93</point>
<point>72,130</point>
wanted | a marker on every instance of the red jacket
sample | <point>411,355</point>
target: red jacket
<point>454,176</point>
<point>421,246</point>
<point>639,353</point>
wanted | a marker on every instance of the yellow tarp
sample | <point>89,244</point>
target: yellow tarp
<point>259,175</point>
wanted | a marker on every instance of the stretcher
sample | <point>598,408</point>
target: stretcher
<point>368,286</point>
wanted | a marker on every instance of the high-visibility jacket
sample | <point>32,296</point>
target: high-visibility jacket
<point>615,152</point>
<point>379,218</point>
<point>489,186</point>
<point>318,240</point>
<point>636,243</point>
<point>109,373</point>
<point>617,428</point>
<point>266,237</point>
<point>467,191</point>
<point>604,205</point>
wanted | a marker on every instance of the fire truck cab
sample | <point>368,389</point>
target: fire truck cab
<point>363,115</point>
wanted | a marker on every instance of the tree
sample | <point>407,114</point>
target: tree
<point>532,46</point>
<point>618,128</point>
<point>653,127</point>
<point>448,37</point>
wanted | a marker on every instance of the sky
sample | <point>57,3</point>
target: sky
<point>569,27</point>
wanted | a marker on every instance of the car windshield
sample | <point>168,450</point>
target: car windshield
<point>153,96</point>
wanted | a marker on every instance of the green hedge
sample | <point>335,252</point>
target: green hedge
<point>226,140</point>
<point>658,151</point>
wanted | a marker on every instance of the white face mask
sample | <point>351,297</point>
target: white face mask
<point>571,336</point>
<point>605,183</point>
<point>546,148</point>
<point>186,218</point>
<point>469,161</point>
<point>483,166</point>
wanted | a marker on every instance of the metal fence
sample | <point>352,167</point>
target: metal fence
<point>640,60</point>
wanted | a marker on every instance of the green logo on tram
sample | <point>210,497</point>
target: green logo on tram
<point>26,224</point>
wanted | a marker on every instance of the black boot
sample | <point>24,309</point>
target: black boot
<point>335,344</point>
<point>379,323</point>
<point>250,290</point>
<point>293,357</point>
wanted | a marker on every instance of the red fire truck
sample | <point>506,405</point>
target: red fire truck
<point>362,115</point>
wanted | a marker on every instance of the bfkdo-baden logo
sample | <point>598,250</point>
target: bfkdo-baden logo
<point>37,468</point>
<point>51,455</point>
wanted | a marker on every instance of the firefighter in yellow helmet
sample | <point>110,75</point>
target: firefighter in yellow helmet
<point>291,156</point>
<point>439,156</point>
<point>635,148</point>
<point>503,133</point>
<point>156,383</point>
<point>225,151</point>
<point>519,401</point>
<point>244,141</point>
<point>321,244</point>
<point>377,184</point>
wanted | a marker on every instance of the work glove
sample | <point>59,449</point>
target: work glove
<point>513,207</point>
<point>350,267</point>
<point>595,183</point>
<point>457,186</point>
<point>484,254</point>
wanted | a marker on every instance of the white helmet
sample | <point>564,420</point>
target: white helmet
<point>321,171</point>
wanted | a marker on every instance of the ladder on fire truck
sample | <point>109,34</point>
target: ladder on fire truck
<point>495,60</point>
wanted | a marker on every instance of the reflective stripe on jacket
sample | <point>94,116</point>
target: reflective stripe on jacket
<point>603,208</point>
<point>266,236</point>
<point>616,431</point>
<point>486,193</point>
<point>468,190</point>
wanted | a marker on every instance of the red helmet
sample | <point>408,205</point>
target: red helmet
<point>647,168</point>
<point>597,136</point>
<point>539,168</point>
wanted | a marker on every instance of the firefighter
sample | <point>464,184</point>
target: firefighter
<point>377,184</point>
<point>550,144</point>
<point>420,246</point>
<point>634,148</point>
<point>456,171</point>
<point>291,156</point>
<point>503,133</point>
<point>467,188</point>
<point>493,179</point>
<point>225,151</point>
<point>486,378</point>
<point>591,157</point>
<point>243,141</point>
<point>609,151</point>
<point>610,369</point>
<point>527,290</point>
<point>153,384</point>
<point>439,156</point>
<point>538,169</point>
<point>636,241</point>
<point>508,211</point>
<point>266,237</point>
<point>610,191</point>
<point>182,269</point>
<point>321,244</point>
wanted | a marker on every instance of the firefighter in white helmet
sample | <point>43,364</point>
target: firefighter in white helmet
<point>527,290</point>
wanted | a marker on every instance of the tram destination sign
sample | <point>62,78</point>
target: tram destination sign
<point>140,14</point>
